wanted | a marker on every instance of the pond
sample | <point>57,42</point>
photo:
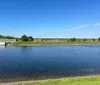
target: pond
<point>46,62</point>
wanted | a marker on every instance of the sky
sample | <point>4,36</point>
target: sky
<point>50,18</point>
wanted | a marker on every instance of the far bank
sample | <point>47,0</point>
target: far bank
<point>45,43</point>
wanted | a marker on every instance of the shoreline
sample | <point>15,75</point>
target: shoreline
<point>76,43</point>
<point>65,78</point>
<point>53,44</point>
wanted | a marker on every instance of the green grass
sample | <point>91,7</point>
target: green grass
<point>73,81</point>
<point>55,43</point>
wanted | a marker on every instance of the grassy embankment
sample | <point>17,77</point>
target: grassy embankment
<point>68,81</point>
<point>54,43</point>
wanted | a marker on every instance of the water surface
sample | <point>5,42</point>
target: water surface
<point>42,62</point>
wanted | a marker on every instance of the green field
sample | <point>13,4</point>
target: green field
<point>68,81</point>
<point>54,43</point>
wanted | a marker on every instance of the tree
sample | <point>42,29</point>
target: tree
<point>73,39</point>
<point>24,38</point>
<point>93,39</point>
<point>84,39</point>
<point>0,36</point>
<point>9,37</point>
<point>30,38</point>
<point>3,37</point>
<point>99,38</point>
<point>16,39</point>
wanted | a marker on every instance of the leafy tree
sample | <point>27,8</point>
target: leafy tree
<point>93,39</point>
<point>73,39</point>
<point>0,36</point>
<point>9,37</point>
<point>24,38</point>
<point>84,40</point>
<point>30,38</point>
<point>16,39</point>
<point>4,37</point>
<point>99,39</point>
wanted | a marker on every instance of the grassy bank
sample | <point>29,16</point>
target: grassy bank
<point>68,81</point>
<point>54,43</point>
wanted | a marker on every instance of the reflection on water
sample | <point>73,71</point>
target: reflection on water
<point>2,46</point>
<point>42,62</point>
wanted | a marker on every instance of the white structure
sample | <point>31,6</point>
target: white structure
<point>7,40</point>
<point>2,43</point>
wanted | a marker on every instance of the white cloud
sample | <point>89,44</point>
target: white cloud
<point>78,27</point>
<point>97,24</point>
<point>83,26</point>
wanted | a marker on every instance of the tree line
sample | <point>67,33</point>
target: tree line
<point>23,38</point>
<point>7,37</point>
<point>30,38</point>
<point>26,38</point>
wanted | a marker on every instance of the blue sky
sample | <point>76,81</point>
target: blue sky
<point>50,18</point>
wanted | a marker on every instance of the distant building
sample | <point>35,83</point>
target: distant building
<point>2,43</point>
<point>7,40</point>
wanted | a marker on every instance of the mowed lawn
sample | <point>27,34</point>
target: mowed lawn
<point>68,81</point>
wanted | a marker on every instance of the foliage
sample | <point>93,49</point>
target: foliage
<point>30,38</point>
<point>73,39</point>
<point>16,39</point>
<point>24,38</point>
<point>84,39</point>
<point>93,40</point>
<point>7,37</point>
<point>0,36</point>
<point>99,39</point>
